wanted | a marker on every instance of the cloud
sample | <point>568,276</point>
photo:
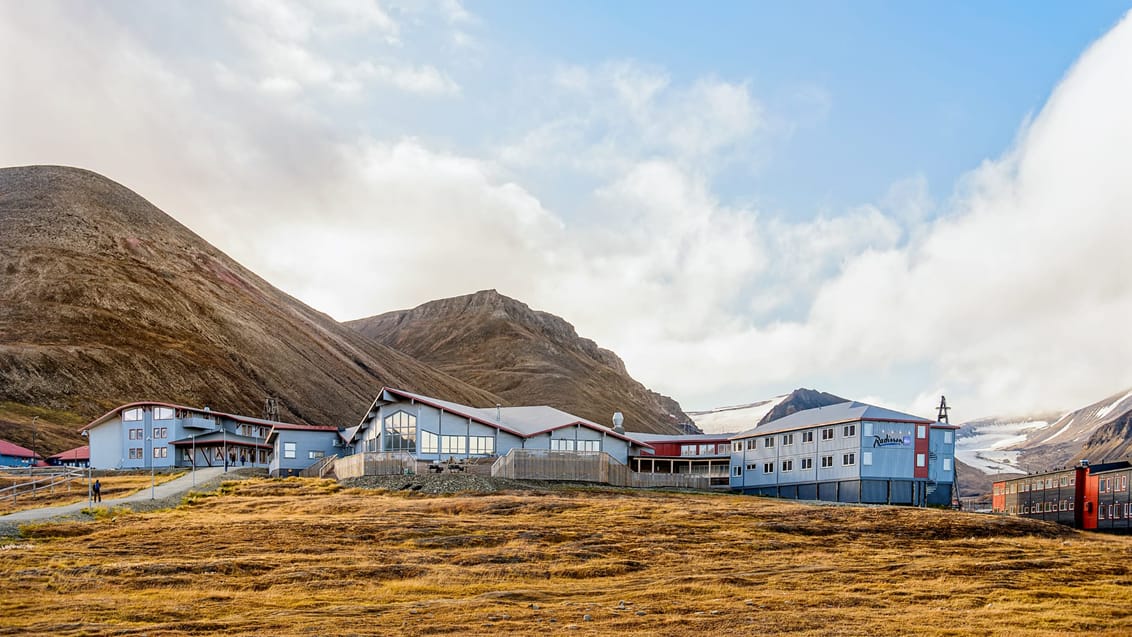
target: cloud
<point>1010,294</point>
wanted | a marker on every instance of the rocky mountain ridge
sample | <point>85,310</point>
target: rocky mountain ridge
<point>105,299</point>
<point>528,357</point>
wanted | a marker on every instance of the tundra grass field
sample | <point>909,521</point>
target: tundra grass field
<point>306,557</point>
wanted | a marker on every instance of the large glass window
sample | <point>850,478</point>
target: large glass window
<point>591,445</point>
<point>163,413</point>
<point>687,450</point>
<point>453,444</point>
<point>562,444</point>
<point>430,442</point>
<point>132,415</point>
<point>288,450</point>
<point>401,432</point>
<point>481,445</point>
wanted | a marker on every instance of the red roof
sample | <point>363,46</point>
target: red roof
<point>78,453</point>
<point>12,449</point>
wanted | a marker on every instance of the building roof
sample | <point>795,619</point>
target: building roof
<point>678,438</point>
<point>198,410</point>
<point>849,411</point>
<point>219,437</point>
<point>524,422</point>
<point>78,453</point>
<point>16,451</point>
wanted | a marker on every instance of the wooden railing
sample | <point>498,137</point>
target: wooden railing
<point>321,468</point>
<point>542,464</point>
<point>374,464</point>
<point>33,481</point>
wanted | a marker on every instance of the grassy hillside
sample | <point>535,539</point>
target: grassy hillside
<point>306,557</point>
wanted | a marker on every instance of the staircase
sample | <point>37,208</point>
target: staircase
<point>322,469</point>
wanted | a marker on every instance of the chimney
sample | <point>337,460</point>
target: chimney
<point>618,421</point>
<point>498,412</point>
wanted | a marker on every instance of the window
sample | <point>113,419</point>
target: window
<point>1012,487</point>
<point>737,471</point>
<point>751,442</point>
<point>752,467</point>
<point>430,442</point>
<point>1063,481</point>
<point>787,465</point>
<point>401,432</point>
<point>688,450</point>
<point>737,446</point>
<point>162,413</point>
<point>705,450</point>
<point>161,452</point>
<point>768,467</point>
<point>807,463</point>
<point>132,415</point>
<point>827,434</point>
<point>867,458</point>
<point>849,431</point>
<point>1061,505</point>
<point>849,459</point>
<point>136,434</point>
<point>1072,479</point>
<point>947,464</point>
<point>313,455</point>
<point>562,444</point>
<point>826,461</point>
<point>1049,483</point>
<point>160,433</point>
<point>133,453</point>
<point>288,450</point>
<point>807,436</point>
<point>921,431</point>
<point>921,460</point>
<point>866,429</point>
<point>948,437</point>
<point>1071,505</point>
<point>768,441</point>
<point>483,445</point>
<point>788,439</point>
<point>458,444</point>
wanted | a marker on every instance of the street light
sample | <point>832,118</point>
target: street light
<point>194,437</point>
<point>89,482</point>
<point>152,469</point>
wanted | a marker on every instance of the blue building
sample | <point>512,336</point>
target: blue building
<point>850,452</point>
<point>430,429</point>
<point>296,447</point>
<point>151,434</point>
<point>13,455</point>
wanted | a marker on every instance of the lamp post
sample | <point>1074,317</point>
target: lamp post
<point>152,469</point>
<point>89,482</point>
<point>194,437</point>
<point>34,437</point>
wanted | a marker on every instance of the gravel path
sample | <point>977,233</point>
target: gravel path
<point>169,495</point>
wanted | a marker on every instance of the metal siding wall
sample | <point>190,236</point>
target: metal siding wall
<point>874,491</point>
<point>889,462</point>
<point>849,491</point>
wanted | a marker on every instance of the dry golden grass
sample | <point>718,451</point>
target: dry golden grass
<point>114,486</point>
<point>302,557</point>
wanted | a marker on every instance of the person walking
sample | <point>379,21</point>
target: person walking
<point>97,488</point>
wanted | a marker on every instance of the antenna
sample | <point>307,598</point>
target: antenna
<point>943,409</point>
<point>271,409</point>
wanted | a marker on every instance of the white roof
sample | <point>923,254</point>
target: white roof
<point>849,411</point>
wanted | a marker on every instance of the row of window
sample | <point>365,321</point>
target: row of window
<point>159,433</point>
<point>847,460</point>
<point>1113,484</point>
<point>137,453</point>
<point>847,431</point>
<point>476,445</point>
<point>1115,511</point>
<point>1042,507</point>
<point>565,444</point>
<point>700,450</point>
<point>137,413</point>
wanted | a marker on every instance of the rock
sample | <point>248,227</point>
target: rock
<point>641,613</point>
<point>587,618</point>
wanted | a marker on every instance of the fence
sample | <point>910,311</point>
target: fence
<point>373,464</point>
<point>30,482</point>
<point>542,464</point>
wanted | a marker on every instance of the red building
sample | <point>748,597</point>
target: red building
<point>699,454</point>
<point>1092,497</point>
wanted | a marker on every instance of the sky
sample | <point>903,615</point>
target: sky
<point>886,201</point>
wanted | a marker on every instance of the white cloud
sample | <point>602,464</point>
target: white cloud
<point>1010,296</point>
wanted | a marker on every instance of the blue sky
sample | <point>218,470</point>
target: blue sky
<point>883,200</point>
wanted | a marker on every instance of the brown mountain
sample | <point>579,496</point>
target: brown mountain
<point>104,299</point>
<point>801,399</point>
<point>526,356</point>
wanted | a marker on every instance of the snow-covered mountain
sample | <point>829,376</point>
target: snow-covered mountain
<point>1097,432</point>
<point>991,444</point>
<point>735,418</point>
<point>739,418</point>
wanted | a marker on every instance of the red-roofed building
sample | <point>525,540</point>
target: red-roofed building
<point>13,455</point>
<point>77,457</point>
